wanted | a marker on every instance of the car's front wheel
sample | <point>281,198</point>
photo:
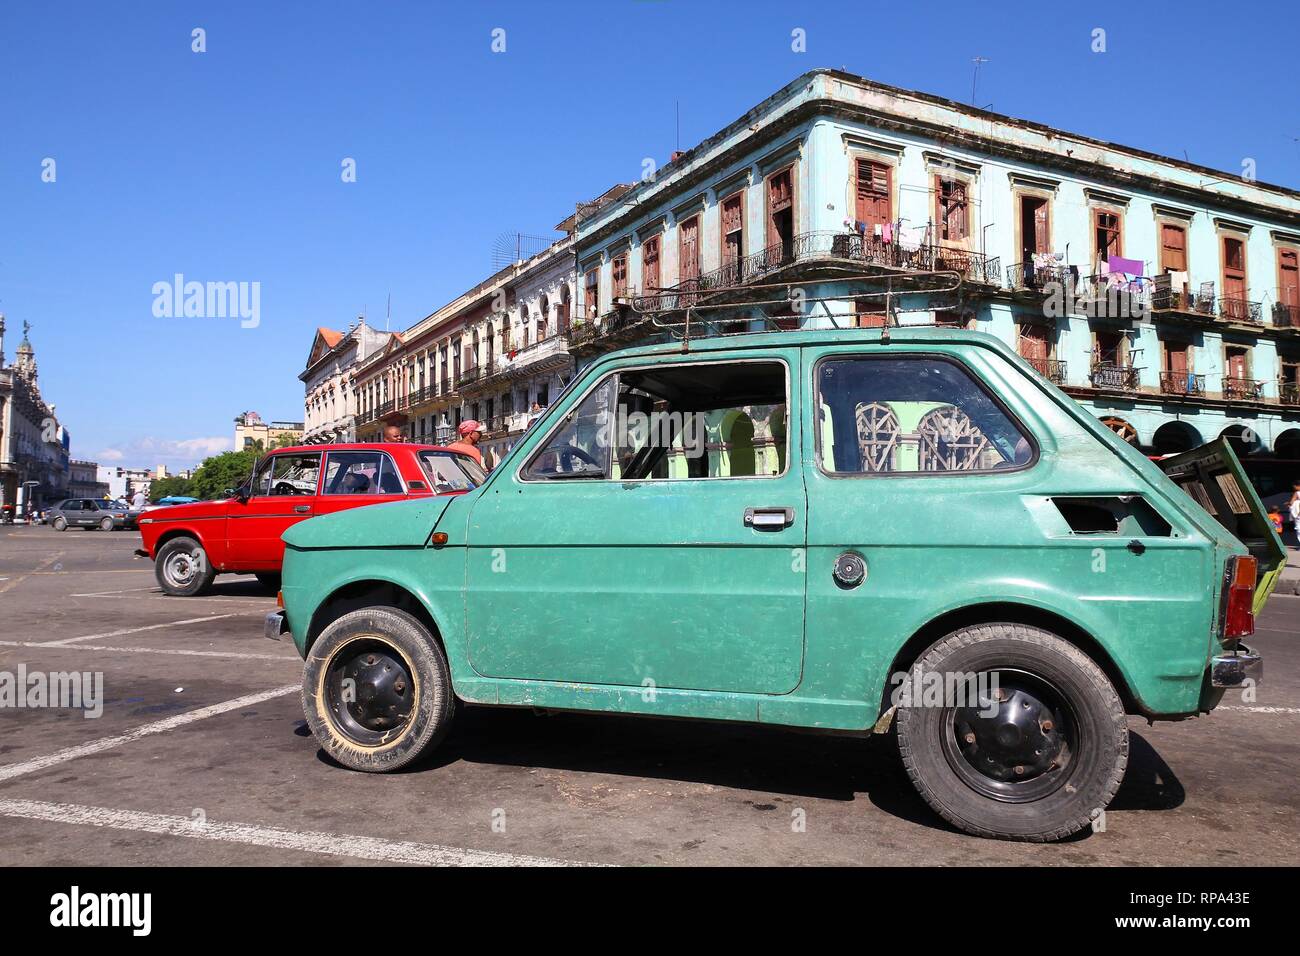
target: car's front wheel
<point>1022,738</point>
<point>182,568</point>
<point>376,690</point>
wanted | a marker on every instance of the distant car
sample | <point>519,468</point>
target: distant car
<point>191,543</point>
<point>106,515</point>
<point>168,502</point>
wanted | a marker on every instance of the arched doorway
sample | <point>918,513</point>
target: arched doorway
<point>1121,428</point>
<point>1287,445</point>
<point>1171,438</point>
<point>1243,439</point>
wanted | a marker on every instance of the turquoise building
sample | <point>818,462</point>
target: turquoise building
<point>1163,295</point>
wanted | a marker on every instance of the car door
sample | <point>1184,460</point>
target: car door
<point>88,516</point>
<point>356,478</point>
<point>283,492</point>
<point>623,548</point>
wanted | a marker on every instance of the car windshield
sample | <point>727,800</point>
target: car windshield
<point>448,472</point>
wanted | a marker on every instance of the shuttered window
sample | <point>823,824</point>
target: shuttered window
<point>592,289</point>
<point>1108,240</point>
<point>780,210</point>
<point>688,258</point>
<point>952,214</point>
<point>1173,248</point>
<point>618,274</point>
<point>1234,278</point>
<point>733,229</point>
<point>873,182</point>
<point>650,265</point>
<point>1288,278</point>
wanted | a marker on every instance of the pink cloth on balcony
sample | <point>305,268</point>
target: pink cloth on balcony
<point>1133,267</point>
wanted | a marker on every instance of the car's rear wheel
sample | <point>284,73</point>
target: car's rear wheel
<point>1036,754</point>
<point>376,690</point>
<point>59,524</point>
<point>106,524</point>
<point>182,568</point>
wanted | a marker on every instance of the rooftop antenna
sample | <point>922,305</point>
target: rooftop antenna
<point>975,78</point>
<point>388,316</point>
<point>677,141</point>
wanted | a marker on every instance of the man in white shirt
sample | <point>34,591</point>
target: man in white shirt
<point>138,501</point>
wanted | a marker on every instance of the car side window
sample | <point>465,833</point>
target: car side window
<point>701,420</point>
<point>579,446</point>
<point>287,475</point>
<point>919,414</point>
<point>361,473</point>
<point>70,506</point>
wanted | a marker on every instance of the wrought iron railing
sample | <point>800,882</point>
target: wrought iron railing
<point>468,377</point>
<point>1240,310</point>
<point>1165,299</point>
<point>1289,393</point>
<point>1051,369</point>
<point>823,246</point>
<point>383,409</point>
<point>1286,316</point>
<point>1117,376</point>
<point>1030,277</point>
<point>1113,297</point>
<point>1242,389</point>
<point>1182,383</point>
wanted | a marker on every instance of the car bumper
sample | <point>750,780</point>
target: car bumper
<point>275,624</point>
<point>1233,670</point>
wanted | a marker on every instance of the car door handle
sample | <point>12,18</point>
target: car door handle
<point>769,519</point>
<point>302,509</point>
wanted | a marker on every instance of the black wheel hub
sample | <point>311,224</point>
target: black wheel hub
<point>1016,746</point>
<point>371,692</point>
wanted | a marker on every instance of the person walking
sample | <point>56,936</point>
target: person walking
<point>471,433</point>
<point>138,501</point>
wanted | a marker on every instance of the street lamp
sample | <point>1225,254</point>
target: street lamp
<point>444,430</point>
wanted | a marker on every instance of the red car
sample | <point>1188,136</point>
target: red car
<point>191,544</point>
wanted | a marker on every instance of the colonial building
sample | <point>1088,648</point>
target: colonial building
<point>329,380</point>
<point>83,480</point>
<point>250,430</point>
<point>33,445</point>
<point>490,355</point>
<point>1163,295</point>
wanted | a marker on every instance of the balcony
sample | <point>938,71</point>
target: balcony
<point>1167,299</point>
<point>820,247</point>
<point>1242,389</point>
<point>552,351</point>
<point>468,377</point>
<point>1286,316</point>
<point>1112,297</point>
<point>1028,277</point>
<point>1182,383</point>
<point>1241,310</point>
<point>1051,369</point>
<point>1289,393</point>
<point>1114,376</point>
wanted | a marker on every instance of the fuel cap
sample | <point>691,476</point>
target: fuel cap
<point>850,569</point>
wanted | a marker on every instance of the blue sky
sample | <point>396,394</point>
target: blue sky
<point>225,165</point>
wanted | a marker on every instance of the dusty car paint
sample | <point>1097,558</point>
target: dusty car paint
<point>590,615</point>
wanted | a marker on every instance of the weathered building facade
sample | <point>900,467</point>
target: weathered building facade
<point>33,444</point>
<point>1164,296</point>
<point>329,381</point>
<point>490,355</point>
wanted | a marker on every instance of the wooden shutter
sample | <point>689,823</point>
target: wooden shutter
<point>873,193</point>
<point>951,213</point>
<point>1176,356</point>
<point>1042,234</point>
<point>1234,278</point>
<point>689,257</point>
<point>618,274</point>
<point>1288,278</point>
<point>1107,225</point>
<point>733,236</point>
<point>592,298</point>
<point>650,265</point>
<point>1033,343</point>
<point>1173,248</point>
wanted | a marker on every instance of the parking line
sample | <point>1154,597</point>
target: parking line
<point>37,764</point>
<point>306,841</point>
<point>9,584</point>
<point>120,591</point>
<point>137,630</point>
<point>237,655</point>
<point>1260,710</point>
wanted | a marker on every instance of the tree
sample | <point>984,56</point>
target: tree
<point>172,486</point>
<point>228,470</point>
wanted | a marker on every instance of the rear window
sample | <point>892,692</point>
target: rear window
<point>448,472</point>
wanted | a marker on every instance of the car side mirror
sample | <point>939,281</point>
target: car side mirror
<point>241,493</point>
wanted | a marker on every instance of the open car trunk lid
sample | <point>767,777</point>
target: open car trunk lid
<point>1213,476</point>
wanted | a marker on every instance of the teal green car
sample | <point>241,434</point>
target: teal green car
<point>830,530</point>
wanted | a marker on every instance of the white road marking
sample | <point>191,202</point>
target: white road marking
<point>237,655</point>
<point>37,764</point>
<point>137,630</point>
<point>159,596</point>
<point>155,589</point>
<point>305,841</point>
<point>22,577</point>
<point>1260,710</point>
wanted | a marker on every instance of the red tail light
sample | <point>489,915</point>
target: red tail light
<point>1240,619</point>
